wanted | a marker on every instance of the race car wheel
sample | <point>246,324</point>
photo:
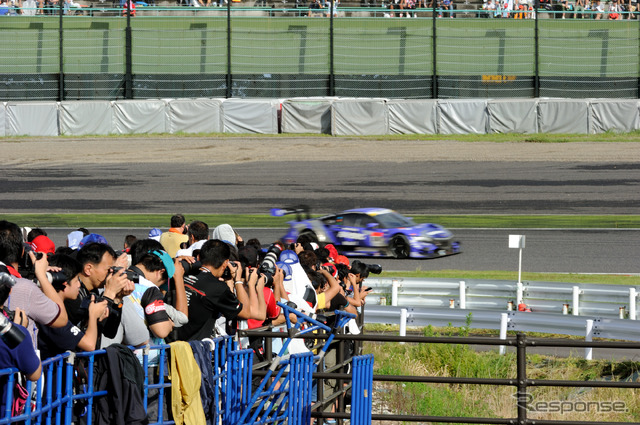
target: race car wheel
<point>310,234</point>
<point>399,247</point>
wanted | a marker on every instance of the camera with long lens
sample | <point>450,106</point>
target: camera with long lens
<point>374,268</point>
<point>131,275</point>
<point>268,265</point>
<point>57,278</point>
<point>191,268</point>
<point>10,335</point>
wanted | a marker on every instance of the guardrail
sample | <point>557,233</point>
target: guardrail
<point>589,327</point>
<point>603,301</point>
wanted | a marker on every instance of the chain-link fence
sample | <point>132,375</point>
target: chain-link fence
<point>263,52</point>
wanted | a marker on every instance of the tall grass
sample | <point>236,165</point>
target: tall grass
<point>455,360</point>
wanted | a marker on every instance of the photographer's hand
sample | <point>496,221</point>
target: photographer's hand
<point>40,267</point>
<point>253,277</point>
<point>122,261</point>
<point>236,270</point>
<point>97,312</point>
<point>20,317</point>
<point>181,303</point>
<point>117,286</point>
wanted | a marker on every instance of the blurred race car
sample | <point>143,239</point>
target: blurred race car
<point>371,232</point>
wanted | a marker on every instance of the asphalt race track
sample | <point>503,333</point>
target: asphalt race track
<point>110,175</point>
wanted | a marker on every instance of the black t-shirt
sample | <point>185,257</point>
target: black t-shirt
<point>208,298</point>
<point>54,341</point>
<point>152,302</point>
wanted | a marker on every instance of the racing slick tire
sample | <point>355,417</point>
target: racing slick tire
<point>399,247</point>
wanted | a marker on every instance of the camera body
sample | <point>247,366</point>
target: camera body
<point>131,275</point>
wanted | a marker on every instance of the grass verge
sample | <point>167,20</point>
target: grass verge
<point>267,221</point>
<point>613,279</point>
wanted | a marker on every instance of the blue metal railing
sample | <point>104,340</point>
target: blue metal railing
<point>283,396</point>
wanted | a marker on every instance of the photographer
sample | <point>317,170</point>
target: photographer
<point>209,297</point>
<point>153,268</point>
<point>16,350</point>
<point>54,341</point>
<point>360,271</point>
<point>98,278</point>
<point>176,235</point>
<point>41,305</point>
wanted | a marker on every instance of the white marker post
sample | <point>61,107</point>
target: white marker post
<point>518,242</point>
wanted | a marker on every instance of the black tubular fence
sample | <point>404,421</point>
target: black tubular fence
<point>224,52</point>
<point>522,401</point>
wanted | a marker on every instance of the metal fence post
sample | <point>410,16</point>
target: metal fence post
<point>536,38</point>
<point>588,352</point>
<point>434,75</point>
<point>521,359</point>
<point>632,303</point>
<point>128,73</point>
<point>332,75</point>
<point>229,82</point>
<point>60,52</point>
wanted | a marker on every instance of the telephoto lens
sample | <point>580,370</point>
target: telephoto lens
<point>11,335</point>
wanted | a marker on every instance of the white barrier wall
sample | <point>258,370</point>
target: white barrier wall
<point>135,117</point>
<point>563,116</point>
<point>463,116</point>
<point>194,116</point>
<point>337,116</point>
<point>413,116</point>
<point>513,116</point>
<point>359,117</point>
<point>311,115</point>
<point>250,116</point>
<point>613,115</point>
<point>86,117</point>
<point>32,119</point>
<point>3,118</point>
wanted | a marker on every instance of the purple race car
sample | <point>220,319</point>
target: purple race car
<point>372,232</point>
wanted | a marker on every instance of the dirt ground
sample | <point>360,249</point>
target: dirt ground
<point>51,152</point>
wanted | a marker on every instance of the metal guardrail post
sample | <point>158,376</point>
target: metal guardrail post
<point>576,300</point>
<point>633,296</point>
<point>403,323</point>
<point>521,359</point>
<point>394,292</point>
<point>463,295</point>
<point>519,291</point>
<point>504,320</point>
<point>588,352</point>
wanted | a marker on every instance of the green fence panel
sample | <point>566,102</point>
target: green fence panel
<point>589,58</point>
<point>485,58</point>
<point>185,53</point>
<point>377,57</point>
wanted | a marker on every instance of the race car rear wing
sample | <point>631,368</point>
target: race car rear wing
<point>299,211</point>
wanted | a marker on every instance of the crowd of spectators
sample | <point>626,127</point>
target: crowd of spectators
<point>186,284</point>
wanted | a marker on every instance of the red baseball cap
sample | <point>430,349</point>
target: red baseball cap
<point>43,244</point>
